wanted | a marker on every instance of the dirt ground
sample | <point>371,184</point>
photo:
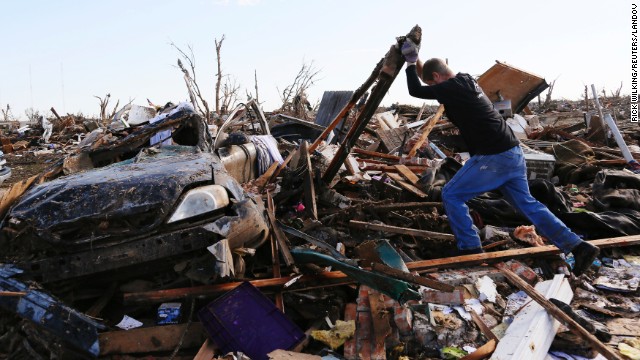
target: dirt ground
<point>27,164</point>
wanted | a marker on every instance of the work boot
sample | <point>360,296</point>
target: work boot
<point>584,254</point>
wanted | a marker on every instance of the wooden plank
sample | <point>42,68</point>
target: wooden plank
<point>150,339</point>
<point>375,154</point>
<point>414,279</point>
<point>393,62</point>
<point>277,232</point>
<point>424,106</point>
<point>408,174</point>
<point>264,178</point>
<point>405,185</point>
<point>282,166</point>
<point>426,129</point>
<point>302,122</point>
<point>393,138</point>
<point>309,188</point>
<point>484,329</point>
<point>392,169</point>
<point>405,206</point>
<point>515,254</point>
<point>400,230</point>
<point>275,261</point>
<point>558,314</point>
<point>335,278</point>
<point>16,190</point>
<point>624,327</point>
<point>532,325</point>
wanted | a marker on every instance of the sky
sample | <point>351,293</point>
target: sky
<point>63,53</point>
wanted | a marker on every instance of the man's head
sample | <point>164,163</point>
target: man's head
<point>435,71</point>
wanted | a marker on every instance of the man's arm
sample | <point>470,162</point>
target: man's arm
<point>419,65</point>
<point>416,88</point>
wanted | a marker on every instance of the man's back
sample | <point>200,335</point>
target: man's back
<point>467,107</point>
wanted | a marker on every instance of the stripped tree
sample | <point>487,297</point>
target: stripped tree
<point>197,99</point>
<point>294,95</point>
<point>105,115</point>
<point>219,75</point>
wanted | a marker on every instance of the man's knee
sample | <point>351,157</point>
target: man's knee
<point>447,193</point>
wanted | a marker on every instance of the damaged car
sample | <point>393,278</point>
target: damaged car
<point>139,209</point>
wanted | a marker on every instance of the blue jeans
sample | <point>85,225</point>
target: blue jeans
<point>508,173</point>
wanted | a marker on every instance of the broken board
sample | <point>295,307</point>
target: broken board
<point>530,335</point>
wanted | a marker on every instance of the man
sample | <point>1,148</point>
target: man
<point>496,162</point>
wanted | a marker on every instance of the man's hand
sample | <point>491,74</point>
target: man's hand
<point>410,51</point>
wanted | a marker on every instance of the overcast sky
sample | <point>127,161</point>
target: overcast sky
<point>61,53</point>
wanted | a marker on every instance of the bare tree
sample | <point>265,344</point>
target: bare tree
<point>33,115</point>
<point>229,94</point>
<point>104,104</point>
<point>616,94</point>
<point>547,99</point>
<point>198,101</point>
<point>7,115</point>
<point>304,79</point>
<point>255,78</point>
<point>219,75</point>
<point>586,98</point>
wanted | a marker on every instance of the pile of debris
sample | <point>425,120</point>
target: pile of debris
<point>290,239</point>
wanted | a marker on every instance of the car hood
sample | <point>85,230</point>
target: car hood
<point>127,198</point>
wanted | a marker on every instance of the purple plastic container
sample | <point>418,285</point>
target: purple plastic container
<point>245,320</point>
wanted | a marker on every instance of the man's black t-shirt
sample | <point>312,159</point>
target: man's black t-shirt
<point>466,105</point>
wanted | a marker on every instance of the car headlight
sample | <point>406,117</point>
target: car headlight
<point>199,201</point>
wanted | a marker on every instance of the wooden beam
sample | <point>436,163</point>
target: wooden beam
<point>282,166</point>
<point>408,174</point>
<point>277,232</point>
<point>375,154</point>
<point>302,122</point>
<point>392,169</point>
<point>494,256</point>
<point>275,261</point>
<point>484,329</point>
<point>150,339</point>
<point>533,326</point>
<point>405,206</point>
<point>392,63</point>
<point>554,311</point>
<point>411,278</point>
<point>335,278</point>
<point>309,188</point>
<point>405,185</point>
<point>426,129</point>
<point>401,230</point>
<point>264,178</point>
